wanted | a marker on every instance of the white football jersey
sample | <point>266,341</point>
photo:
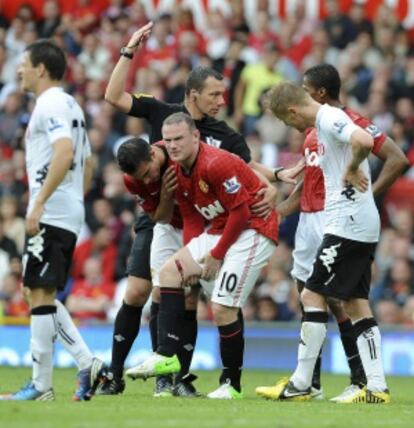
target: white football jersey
<point>349,213</point>
<point>57,115</point>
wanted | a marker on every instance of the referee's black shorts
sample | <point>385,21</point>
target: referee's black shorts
<point>138,263</point>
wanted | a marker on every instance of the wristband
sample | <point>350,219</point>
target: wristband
<point>276,172</point>
<point>124,52</point>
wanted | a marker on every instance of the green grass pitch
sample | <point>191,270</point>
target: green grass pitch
<point>136,407</point>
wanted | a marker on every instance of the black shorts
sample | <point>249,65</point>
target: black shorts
<point>47,257</point>
<point>342,268</point>
<point>138,263</point>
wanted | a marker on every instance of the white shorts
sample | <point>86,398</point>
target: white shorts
<point>240,269</point>
<point>308,238</point>
<point>167,240</point>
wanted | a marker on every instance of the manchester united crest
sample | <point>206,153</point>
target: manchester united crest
<point>203,186</point>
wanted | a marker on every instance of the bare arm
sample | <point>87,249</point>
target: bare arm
<point>279,174</point>
<point>395,163</point>
<point>60,163</point>
<point>263,171</point>
<point>163,214</point>
<point>62,159</point>
<point>362,144</point>
<point>165,208</point>
<point>267,196</point>
<point>267,176</point>
<point>292,203</point>
<point>115,92</point>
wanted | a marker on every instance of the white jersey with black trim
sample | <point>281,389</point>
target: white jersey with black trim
<point>349,213</point>
<point>57,115</point>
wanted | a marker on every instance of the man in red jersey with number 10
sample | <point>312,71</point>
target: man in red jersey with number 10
<point>226,246</point>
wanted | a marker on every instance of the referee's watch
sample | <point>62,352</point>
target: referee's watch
<point>126,53</point>
<point>276,172</point>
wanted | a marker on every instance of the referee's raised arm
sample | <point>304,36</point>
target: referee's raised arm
<point>115,92</point>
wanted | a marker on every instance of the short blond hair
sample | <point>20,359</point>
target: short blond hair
<point>284,95</point>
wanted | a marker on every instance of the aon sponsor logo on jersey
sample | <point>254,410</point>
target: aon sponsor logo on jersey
<point>211,210</point>
<point>311,158</point>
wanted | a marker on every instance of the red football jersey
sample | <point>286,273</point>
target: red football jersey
<point>219,182</point>
<point>148,196</point>
<point>313,193</point>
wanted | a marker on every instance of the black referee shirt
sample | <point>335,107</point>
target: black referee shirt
<point>214,132</point>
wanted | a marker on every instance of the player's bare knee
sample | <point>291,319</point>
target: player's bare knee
<point>336,307</point>
<point>224,315</point>
<point>170,275</point>
<point>312,299</point>
<point>137,292</point>
<point>305,297</point>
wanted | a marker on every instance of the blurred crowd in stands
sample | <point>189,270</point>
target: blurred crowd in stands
<point>375,60</point>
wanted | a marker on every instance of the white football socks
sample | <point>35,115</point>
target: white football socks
<point>312,336</point>
<point>43,335</point>
<point>70,338</point>
<point>369,347</point>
